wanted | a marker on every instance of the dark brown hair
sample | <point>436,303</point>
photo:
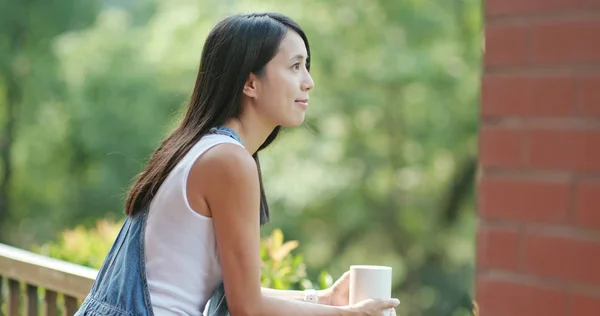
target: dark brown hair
<point>236,46</point>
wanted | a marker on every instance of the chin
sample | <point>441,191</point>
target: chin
<point>295,121</point>
<point>292,119</point>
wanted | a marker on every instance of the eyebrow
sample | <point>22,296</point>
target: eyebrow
<point>299,57</point>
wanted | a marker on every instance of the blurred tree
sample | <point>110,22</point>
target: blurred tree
<point>381,173</point>
<point>28,77</point>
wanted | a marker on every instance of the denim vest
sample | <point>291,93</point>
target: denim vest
<point>121,287</point>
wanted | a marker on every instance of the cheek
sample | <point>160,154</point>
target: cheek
<point>289,86</point>
<point>271,98</point>
<point>278,91</point>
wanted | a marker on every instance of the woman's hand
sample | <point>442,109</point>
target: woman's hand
<point>372,307</point>
<point>338,294</point>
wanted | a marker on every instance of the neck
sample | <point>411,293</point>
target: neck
<point>252,132</point>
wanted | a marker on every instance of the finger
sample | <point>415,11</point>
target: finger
<point>345,277</point>
<point>391,303</point>
<point>344,282</point>
<point>393,312</point>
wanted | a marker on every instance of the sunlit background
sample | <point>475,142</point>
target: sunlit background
<point>381,173</point>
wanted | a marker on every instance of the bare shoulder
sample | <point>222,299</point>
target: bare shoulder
<point>223,170</point>
<point>227,160</point>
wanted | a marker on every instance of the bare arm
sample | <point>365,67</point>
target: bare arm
<point>232,196</point>
<point>292,294</point>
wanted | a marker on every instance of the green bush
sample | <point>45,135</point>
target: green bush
<point>283,270</point>
<point>82,246</point>
<point>280,269</point>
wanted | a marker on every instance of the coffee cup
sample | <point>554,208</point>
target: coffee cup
<point>370,282</point>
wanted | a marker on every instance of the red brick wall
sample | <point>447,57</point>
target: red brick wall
<point>538,247</point>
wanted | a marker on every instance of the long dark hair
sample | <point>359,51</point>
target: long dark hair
<point>236,47</point>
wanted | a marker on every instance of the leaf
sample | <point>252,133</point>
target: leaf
<point>284,250</point>
<point>276,238</point>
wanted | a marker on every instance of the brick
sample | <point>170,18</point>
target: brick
<point>497,248</point>
<point>524,200</point>
<point>587,204</point>
<point>552,96</point>
<point>500,147</point>
<point>565,42</point>
<point>528,96</point>
<point>584,305</point>
<point>502,298</point>
<point>564,150</point>
<point>504,96</point>
<point>590,96</point>
<point>562,257</point>
<point>505,45</point>
<point>502,7</point>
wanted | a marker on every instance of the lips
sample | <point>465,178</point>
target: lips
<point>303,103</point>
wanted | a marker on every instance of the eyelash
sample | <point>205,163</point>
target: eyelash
<point>296,66</point>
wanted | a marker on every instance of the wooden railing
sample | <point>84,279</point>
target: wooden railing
<point>34,282</point>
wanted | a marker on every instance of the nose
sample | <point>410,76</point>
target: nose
<point>307,82</point>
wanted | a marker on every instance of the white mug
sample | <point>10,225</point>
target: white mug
<point>368,281</point>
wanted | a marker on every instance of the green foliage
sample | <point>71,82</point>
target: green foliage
<point>82,246</point>
<point>281,269</point>
<point>381,173</point>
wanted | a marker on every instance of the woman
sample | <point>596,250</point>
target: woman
<point>195,212</point>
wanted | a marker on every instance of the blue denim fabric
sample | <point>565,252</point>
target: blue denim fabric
<point>223,130</point>
<point>121,287</point>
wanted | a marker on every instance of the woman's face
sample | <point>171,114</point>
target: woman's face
<point>282,91</point>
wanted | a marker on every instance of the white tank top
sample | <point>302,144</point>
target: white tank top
<point>180,248</point>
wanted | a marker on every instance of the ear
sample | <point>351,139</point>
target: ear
<point>251,86</point>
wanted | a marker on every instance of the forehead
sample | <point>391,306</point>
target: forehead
<point>291,46</point>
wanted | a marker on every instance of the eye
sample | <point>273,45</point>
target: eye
<point>296,66</point>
